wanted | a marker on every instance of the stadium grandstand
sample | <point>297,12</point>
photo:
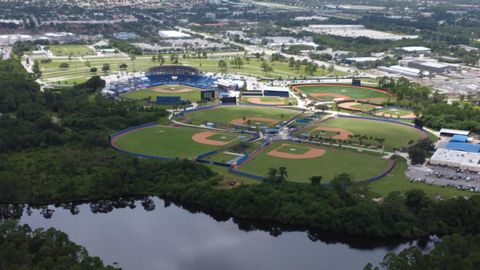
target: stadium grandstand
<point>163,75</point>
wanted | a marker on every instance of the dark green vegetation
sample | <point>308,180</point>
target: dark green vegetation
<point>432,106</point>
<point>79,164</point>
<point>453,252</point>
<point>22,248</point>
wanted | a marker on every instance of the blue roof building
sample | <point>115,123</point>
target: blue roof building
<point>459,138</point>
<point>461,146</point>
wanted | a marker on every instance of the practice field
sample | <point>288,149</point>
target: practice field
<point>315,160</point>
<point>330,92</point>
<point>67,50</point>
<point>395,113</point>
<point>270,100</point>
<point>181,142</point>
<point>357,106</point>
<point>185,92</point>
<point>252,115</point>
<point>395,135</point>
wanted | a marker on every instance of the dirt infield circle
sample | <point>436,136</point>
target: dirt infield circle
<point>342,134</point>
<point>391,115</point>
<point>330,95</point>
<point>203,138</point>
<point>350,106</point>
<point>312,153</point>
<point>240,121</point>
<point>173,89</point>
<point>258,100</point>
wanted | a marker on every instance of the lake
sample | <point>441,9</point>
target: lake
<point>161,235</point>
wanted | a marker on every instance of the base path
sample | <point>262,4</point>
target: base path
<point>174,89</point>
<point>342,134</point>
<point>350,106</point>
<point>392,115</point>
<point>240,121</point>
<point>202,138</point>
<point>257,100</point>
<point>312,153</point>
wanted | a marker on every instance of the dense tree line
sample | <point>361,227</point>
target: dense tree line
<point>432,107</point>
<point>452,253</point>
<point>24,248</point>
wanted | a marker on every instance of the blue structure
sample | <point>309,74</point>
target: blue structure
<point>169,100</point>
<point>275,93</point>
<point>459,138</point>
<point>466,147</point>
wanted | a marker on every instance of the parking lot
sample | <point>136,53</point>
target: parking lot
<point>445,176</point>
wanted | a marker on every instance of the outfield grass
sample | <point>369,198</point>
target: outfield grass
<point>67,50</point>
<point>221,157</point>
<point>395,135</point>
<point>168,142</point>
<point>397,181</point>
<point>193,96</point>
<point>364,106</point>
<point>335,161</point>
<point>350,91</point>
<point>225,114</point>
<point>281,100</point>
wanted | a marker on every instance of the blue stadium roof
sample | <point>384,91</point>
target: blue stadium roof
<point>466,147</point>
<point>459,138</point>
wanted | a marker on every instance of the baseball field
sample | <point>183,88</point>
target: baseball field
<point>175,142</point>
<point>394,135</point>
<point>242,115</point>
<point>279,101</point>
<point>305,160</point>
<point>330,92</point>
<point>395,113</point>
<point>185,92</point>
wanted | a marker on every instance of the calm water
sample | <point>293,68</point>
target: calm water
<point>169,237</point>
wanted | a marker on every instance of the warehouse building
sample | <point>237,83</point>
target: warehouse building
<point>433,67</point>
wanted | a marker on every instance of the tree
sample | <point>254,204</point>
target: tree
<point>161,59</point>
<point>291,62</point>
<point>266,67</point>
<point>331,68</point>
<point>93,70</point>
<point>154,59</point>
<point>298,65</point>
<point>237,62</point>
<point>341,183</point>
<point>315,180</point>
<point>106,68</point>
<point>222,64</point>
<point>123,66</point>
<point>64,65</point>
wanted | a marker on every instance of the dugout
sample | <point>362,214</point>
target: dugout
<point>276,92</point>
<point>207,95</point>
<point>229,100</point>
<point>356,82</point>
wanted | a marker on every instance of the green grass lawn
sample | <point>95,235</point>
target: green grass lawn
<point>193,96</point>
<point>335,161</point>
<point>350,91</point>
<point>168,142</point>
<point>79,70</point>
<point>225,114</point>
<point>398,181</point>
<point>280,100</point>
<point>395,135</point>
<point>74,50</point>
<point>296,149</point>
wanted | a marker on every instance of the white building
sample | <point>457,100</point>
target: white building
<point>458,159</point>
<point>416,49</point>
<point>404,71</point>
<point>169,34</point>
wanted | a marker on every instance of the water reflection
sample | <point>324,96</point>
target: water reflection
<point>140,234</point>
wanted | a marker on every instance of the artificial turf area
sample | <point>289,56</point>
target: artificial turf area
<point>335,161</point>
<point>395,135</point>
<point>351,92</point>
<point>225,114</point>
<point>67,50</point>
<point>169,142</point>
<point>151,94</point>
